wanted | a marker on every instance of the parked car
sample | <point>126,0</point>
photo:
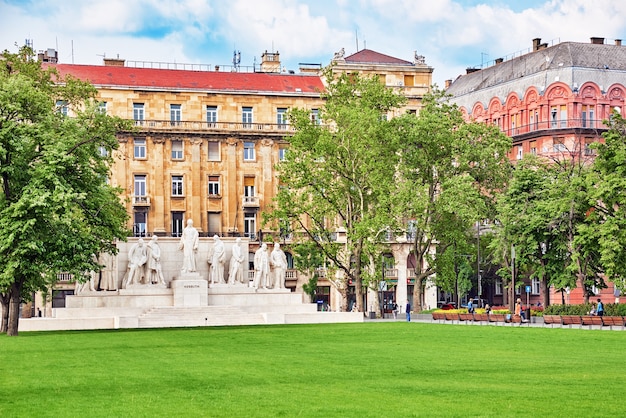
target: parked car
<point>447,306</point>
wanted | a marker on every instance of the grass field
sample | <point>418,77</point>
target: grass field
<point>391,369</point>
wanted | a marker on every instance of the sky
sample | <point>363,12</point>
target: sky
<point>451,34</point>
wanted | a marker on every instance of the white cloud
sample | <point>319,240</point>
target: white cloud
<point>452,34</point>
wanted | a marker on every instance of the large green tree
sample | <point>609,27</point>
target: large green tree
<point>56,209</point>
<point>337,179</point>
<point>607,202</point>
<point>449,174</point>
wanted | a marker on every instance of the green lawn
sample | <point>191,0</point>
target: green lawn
<point>390,369</point>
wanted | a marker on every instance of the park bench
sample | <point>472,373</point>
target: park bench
<point>591,320</point>
<point>452,316</point>
<point>482,317</point>
<point>466,317</point>
<point>439,316</point>
<point>569,320</point>
<point>552,320</point>
<point>497,318</point>
<point>617,321</point>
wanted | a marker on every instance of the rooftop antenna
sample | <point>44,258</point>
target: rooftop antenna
<point>236,59</point>
<point>356,37</point>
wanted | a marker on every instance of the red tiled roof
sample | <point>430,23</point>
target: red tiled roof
<point>367,56</point>
<point>110,76</point>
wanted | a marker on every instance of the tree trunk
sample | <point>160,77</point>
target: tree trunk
<point>4,300</point>
<point>545,292</point>
<point>417,294</point>
<point>14,309</point>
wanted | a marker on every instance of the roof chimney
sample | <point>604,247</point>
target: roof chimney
<point>618,42</point>
<point>499,60</point>
<point>471,70</point>
<point>448,83</point>
<point>536,43</point>
<point>597,41</point>
<point>113,62</point>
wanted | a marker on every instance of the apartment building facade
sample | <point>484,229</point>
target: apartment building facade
<point>206,143</point>
<point>552,102</point>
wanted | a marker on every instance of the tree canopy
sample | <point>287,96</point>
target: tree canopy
<point>57,210</point>
<point>337,179</point>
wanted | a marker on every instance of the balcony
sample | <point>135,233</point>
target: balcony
<point>553,126</point>
<point>250,202</point>
<point>141,201</point>
<point>168,125</point>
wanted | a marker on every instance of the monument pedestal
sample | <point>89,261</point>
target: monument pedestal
<point>190,290</point>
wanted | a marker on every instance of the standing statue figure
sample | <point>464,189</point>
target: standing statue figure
<point>108,280</point>
<point>278,262</point>
<point>235,270</point>
<point>137,257</point>
<point>216,260</point>
<point>261,267</point>
<point>189,244</point>
<point>155,273</point>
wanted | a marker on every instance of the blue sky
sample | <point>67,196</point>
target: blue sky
<point>451,34</point>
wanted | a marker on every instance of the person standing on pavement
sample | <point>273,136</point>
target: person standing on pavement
<point>408,311</point>
<point>600,308</point>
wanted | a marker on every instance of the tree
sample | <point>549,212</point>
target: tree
<point>450,172</point>
<point>56,209</point>
<point>337,179</point>
<point>543,214</point>
<point>607,201</point>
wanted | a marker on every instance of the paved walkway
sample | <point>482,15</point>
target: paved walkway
<point>536,322</point>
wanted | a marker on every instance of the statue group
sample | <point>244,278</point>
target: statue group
<point>144,265</point>
<point>269,268</point>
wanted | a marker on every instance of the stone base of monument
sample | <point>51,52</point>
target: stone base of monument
<point>190,302</point>
<point>189,291</point>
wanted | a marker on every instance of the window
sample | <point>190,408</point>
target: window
<point>498,289</point>
<point>282,154</point>
<point>140,185</point>
<point>102,107</point>
<point>554,117</point>
<point>177,149</point>
<point>140,223</point>
<point>563,117</point>
<point>62,107</point>
<point>138,113</point>
<point>520,152</point>
<point>177,186</point>
<point>211,116</point>
<point>177,223</point>
<point>588,149</point>
<point>214,151</point>
<point>215,223</point>
<point>175,114</point>
<point>103,151</point>
<point>248,186</point>
<point>249,225</point>
<point>587,116</point>
<point>140,148</point>
<point>558,145</point>
<point>281,117</point>
<point>315,117</point>
<point>214,186</point>
<point>535,286</point>
<point>533,147</point>
<point>248,151</point>
<point>409,80</point>
<point>246,117</point>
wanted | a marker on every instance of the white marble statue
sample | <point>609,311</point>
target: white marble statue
<point>235,270</point>
<point>216,259</point>
<point>189,244</point>
<point>261,267</point>
<point>155,272</point>
<point>87,286</point>
<point>108,278</point>
<point>137,257</point>
<point>278,262</point>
